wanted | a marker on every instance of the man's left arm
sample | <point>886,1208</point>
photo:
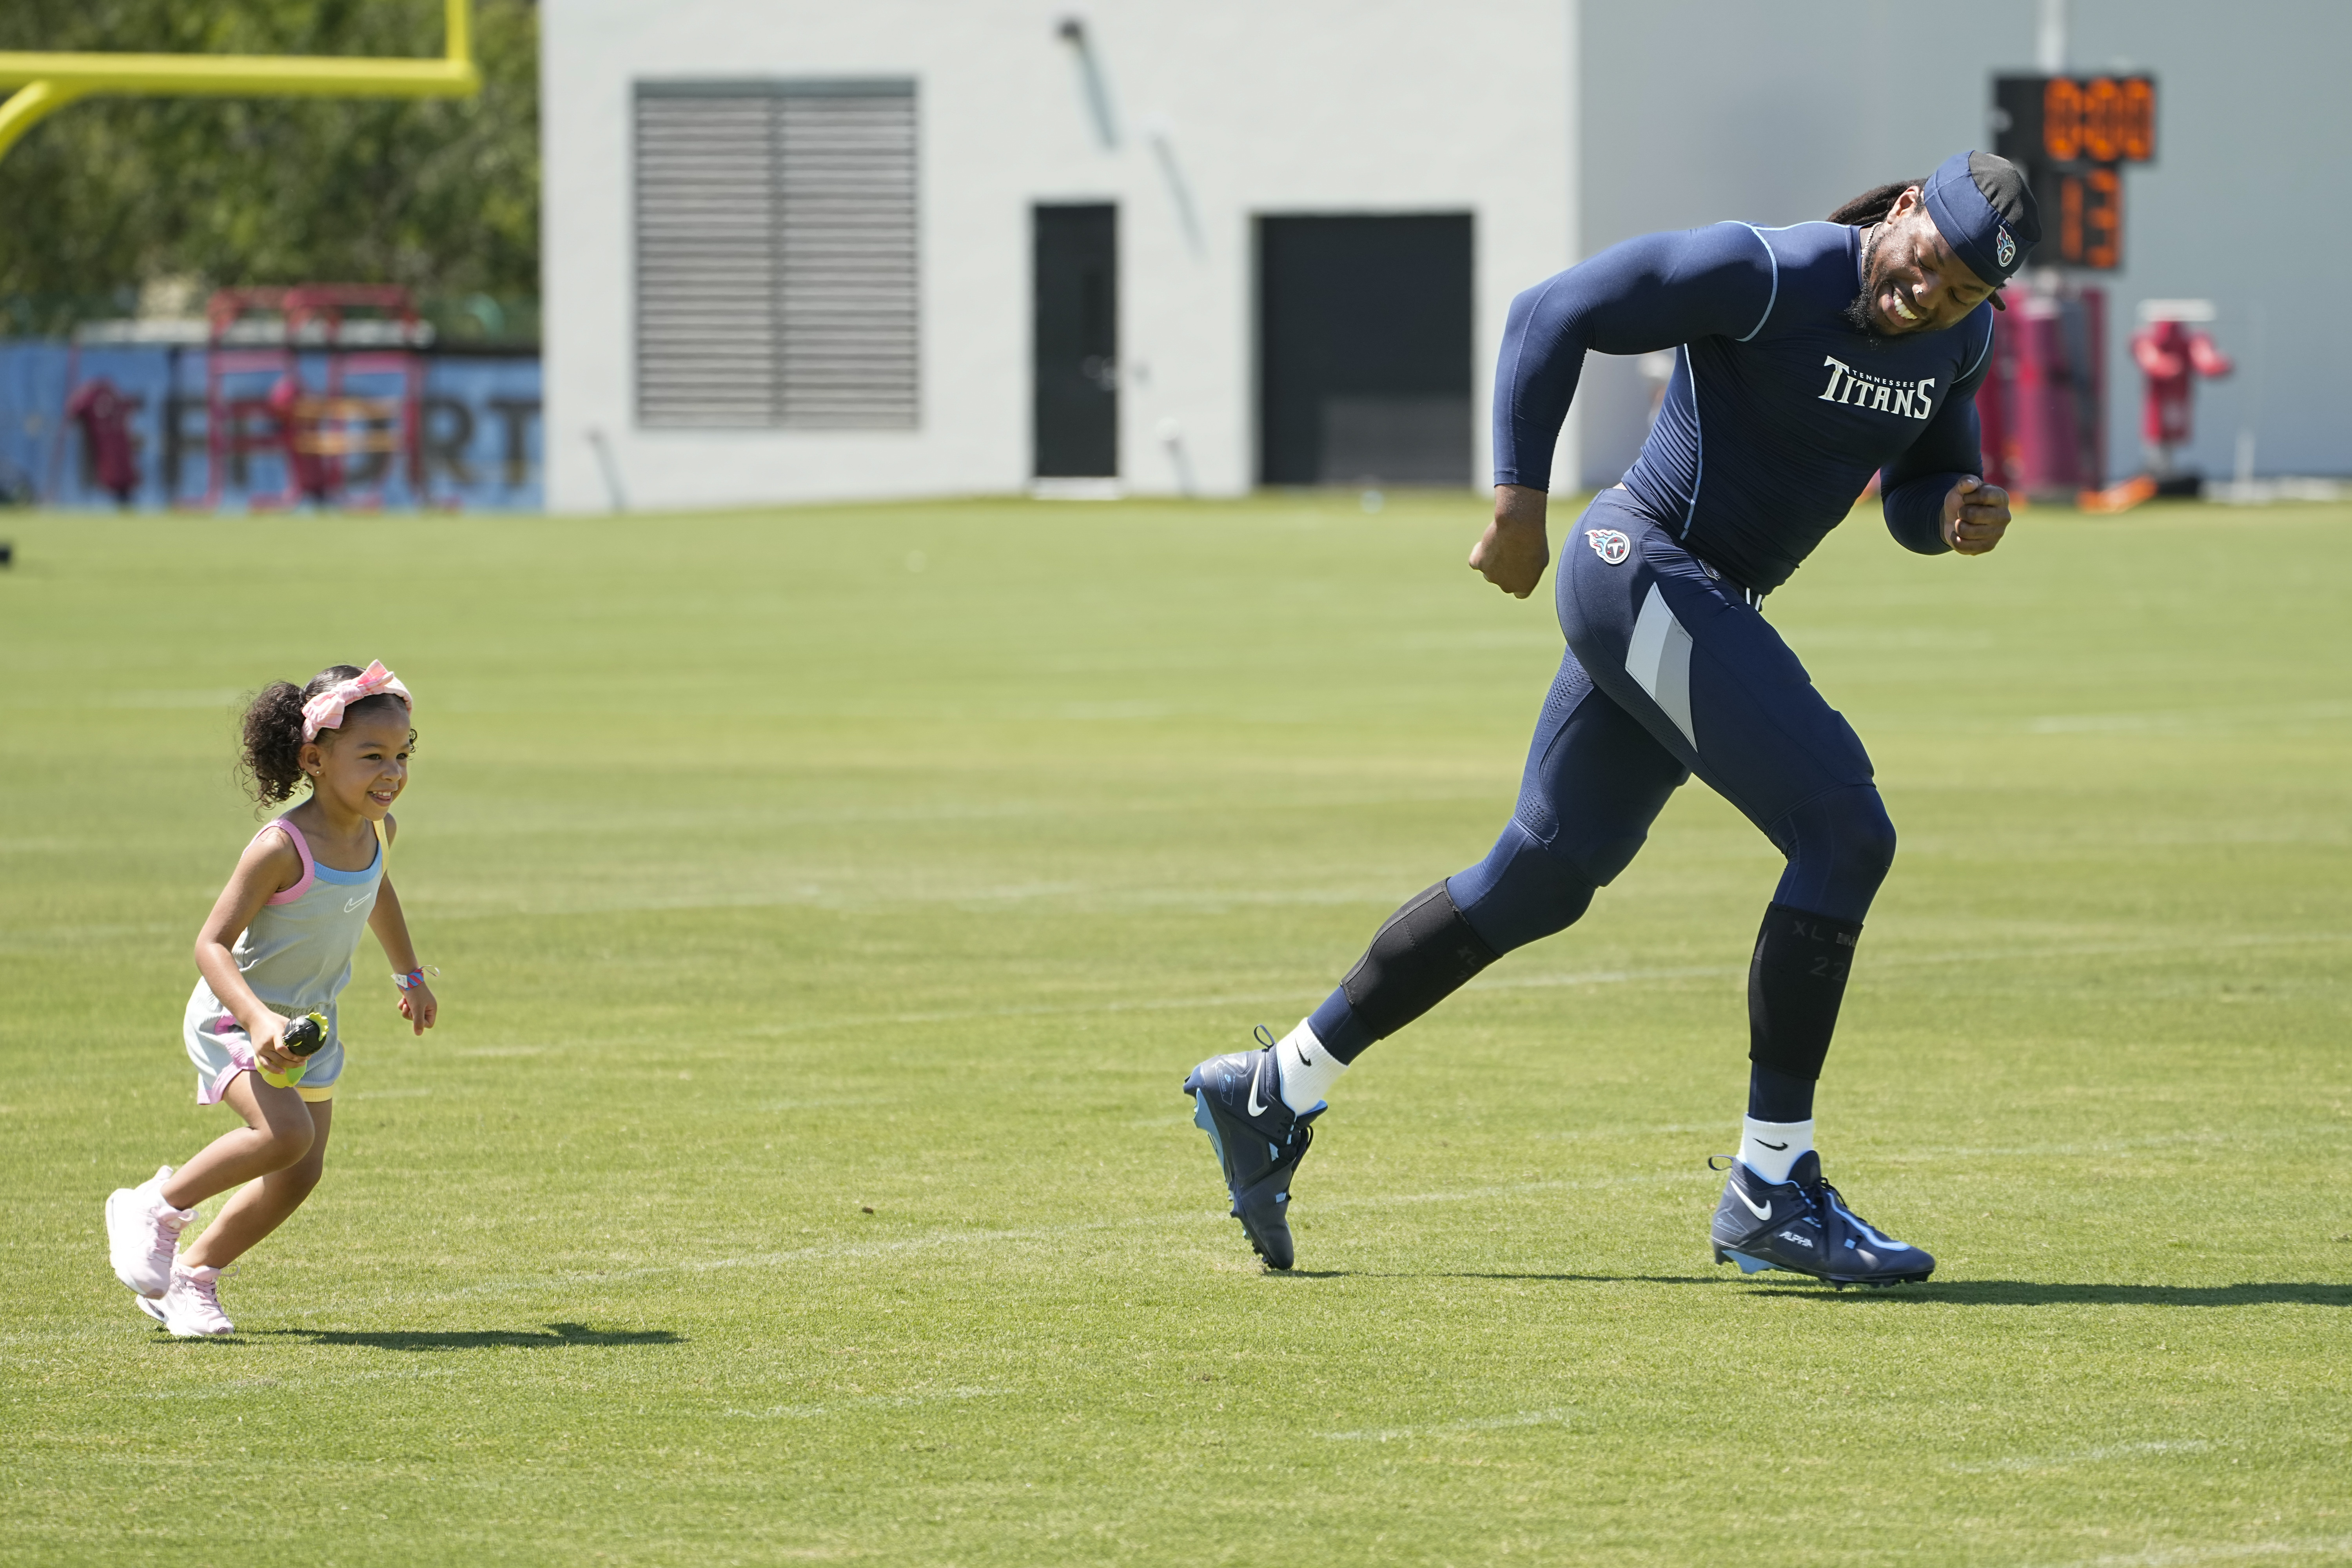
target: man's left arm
<point>1935,497</point>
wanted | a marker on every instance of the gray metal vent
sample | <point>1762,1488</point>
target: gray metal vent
<point>776,255</point>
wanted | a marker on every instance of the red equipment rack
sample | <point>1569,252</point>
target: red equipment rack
<point>2044,407</point>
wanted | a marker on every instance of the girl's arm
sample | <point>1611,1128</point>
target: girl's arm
<point>391,927</point>
<point>268,867</point>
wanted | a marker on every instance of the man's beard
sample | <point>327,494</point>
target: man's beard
<point>1857,311</point>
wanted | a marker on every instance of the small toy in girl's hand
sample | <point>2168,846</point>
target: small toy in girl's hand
<point>304,1036</point>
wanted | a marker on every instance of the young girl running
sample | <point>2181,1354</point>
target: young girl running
<point>279,944</point>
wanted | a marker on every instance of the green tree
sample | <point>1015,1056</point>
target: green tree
<point>109,194</point>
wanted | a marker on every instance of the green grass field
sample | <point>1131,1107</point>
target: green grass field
<point>830,902</point>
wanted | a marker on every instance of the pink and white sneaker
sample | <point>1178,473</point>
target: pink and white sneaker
<point>191,1309</point>
<point>143,1232</point>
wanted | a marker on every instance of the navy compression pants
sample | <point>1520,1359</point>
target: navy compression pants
<point>1669,670</point>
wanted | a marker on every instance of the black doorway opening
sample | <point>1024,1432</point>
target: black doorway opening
<point>1364,350</point>
<point>1077,342</point>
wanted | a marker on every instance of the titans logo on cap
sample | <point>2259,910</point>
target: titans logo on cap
<point>1983,208</point>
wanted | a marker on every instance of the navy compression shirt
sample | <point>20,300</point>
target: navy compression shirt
<point>1779,410</point>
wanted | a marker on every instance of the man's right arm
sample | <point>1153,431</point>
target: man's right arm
<point>1658,292</point>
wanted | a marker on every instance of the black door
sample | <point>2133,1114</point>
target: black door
<point>1364,350</point>
<point>1077,342</point>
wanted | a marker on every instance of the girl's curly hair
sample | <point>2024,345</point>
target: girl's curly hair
<point>272,760</point>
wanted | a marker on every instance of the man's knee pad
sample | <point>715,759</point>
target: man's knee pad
<point>1866,837</point>
<point>1840,847</point>
<point>1421,955</point>
<point>1521,892</point>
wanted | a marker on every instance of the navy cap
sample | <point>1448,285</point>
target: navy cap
<point>1985,213</point>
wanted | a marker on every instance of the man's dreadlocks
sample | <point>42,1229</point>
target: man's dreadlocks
<point>1873,205</point>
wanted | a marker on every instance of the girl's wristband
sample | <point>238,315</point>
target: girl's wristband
<point>415,977</point>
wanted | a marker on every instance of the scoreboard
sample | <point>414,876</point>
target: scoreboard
<point>2071,135</point>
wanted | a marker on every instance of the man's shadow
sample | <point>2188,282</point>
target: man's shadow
<point>554,1336</point>
<point>2033,1293</point>
<point>1957,1293</point>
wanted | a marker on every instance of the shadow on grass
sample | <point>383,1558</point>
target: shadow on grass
<point>2030,1293</point>
<point>1564,1278</point>
<point>1958,1292</point>
<point>553,1337</point>
<point>1603,1279</point>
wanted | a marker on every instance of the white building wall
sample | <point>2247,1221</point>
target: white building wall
<point>1233,107</point>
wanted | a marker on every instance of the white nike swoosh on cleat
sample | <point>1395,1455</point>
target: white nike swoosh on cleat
<point>1877,1236</point>
<point>1761,1211</point>
<point>1256,1106</point>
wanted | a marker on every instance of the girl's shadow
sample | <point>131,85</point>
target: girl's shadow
<point>553,1336</point>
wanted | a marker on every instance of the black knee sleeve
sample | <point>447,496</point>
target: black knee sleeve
<point>1795,983</point>
<point>1421,955</point>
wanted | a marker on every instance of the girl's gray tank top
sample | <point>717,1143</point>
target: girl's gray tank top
<point>297,953</point>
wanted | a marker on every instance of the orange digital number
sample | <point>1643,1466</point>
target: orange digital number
<point>2061,120</point>
<point>2102,220</point>
<point>2138,121</point>
<point>2069,218</point>
<point>2100,101</point>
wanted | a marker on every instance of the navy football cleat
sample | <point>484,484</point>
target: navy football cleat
<point>1803,1225</point>
<point>1237,1101</point>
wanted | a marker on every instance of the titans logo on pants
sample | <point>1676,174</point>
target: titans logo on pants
<point>1609,543</point>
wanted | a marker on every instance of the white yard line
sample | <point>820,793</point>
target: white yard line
<point>2206,720</point>
<point>2085,1456</point>
<point>1483,1423</point>
<point>2181,1556</point>
<point>863,1403</point>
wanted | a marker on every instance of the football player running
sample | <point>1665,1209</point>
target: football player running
<point>1806,359</point>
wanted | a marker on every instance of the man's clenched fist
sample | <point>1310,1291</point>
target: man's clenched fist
<point>1976,515</point>
<point>1513,552</point>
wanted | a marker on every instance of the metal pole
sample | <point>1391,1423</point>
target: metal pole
<point>2050,38</point>
<point>27,107</point>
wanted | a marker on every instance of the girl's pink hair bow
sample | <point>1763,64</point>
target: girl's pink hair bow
<point>325,711</point>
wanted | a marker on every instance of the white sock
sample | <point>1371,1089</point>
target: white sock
<point>1308,1071</point>
<point>152,1190</point>
<point>1770,1148</point>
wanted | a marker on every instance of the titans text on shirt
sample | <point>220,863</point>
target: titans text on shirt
<point>1778,409</point>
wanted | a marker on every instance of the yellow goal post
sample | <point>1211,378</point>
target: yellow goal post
<point>44,82</point>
